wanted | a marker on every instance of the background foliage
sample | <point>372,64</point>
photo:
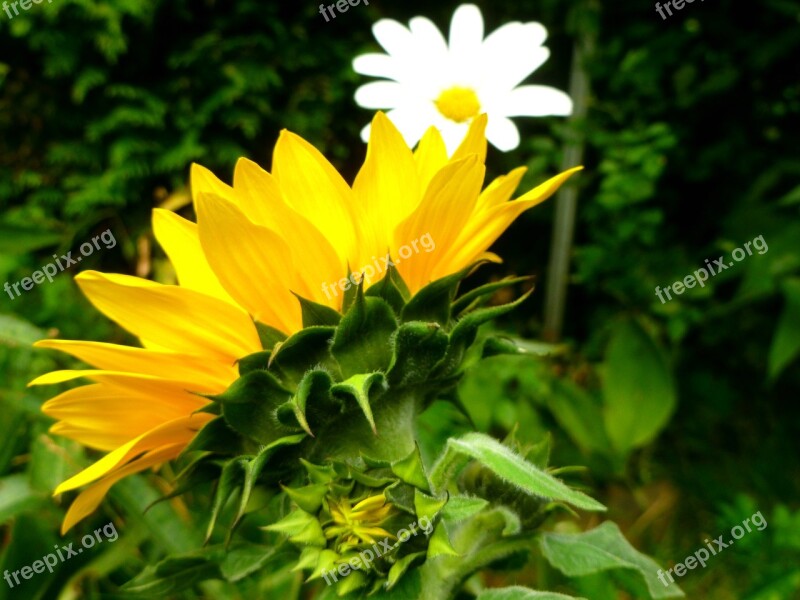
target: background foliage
<point>684,412</point>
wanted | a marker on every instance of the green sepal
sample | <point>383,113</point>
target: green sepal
<point>201,470</point>
<point>309,559</point>
<point>313,398</point>
<point>249,406</point>
<point>411,470</point>
<point>362,388</point>
<point>400,567</point>
<point>318,473</point>
<point>418,348</point>
<point>355,580</point>
<point>254,362</point>
<point>215,436</point>
<point>326,561</point>
<point>465,331</point>
<point>315,314</point>
<point>393,289</point>
<point>362,343</point>
<point>482,294</point>
<point>401,496</point>
<point>230,481</point>
<point>350,293</point>
<point>433,302</point>
<point>461,508</point>
<point>428,506</point>
<point>254,467</point>
<point>308,497</point>
<point>495,345</point>
<point>439,543</point>
<point>269,336</point>
<point>307,348</point>
<point>301,528</point>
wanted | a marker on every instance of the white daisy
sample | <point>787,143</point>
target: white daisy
<point>428,82</point>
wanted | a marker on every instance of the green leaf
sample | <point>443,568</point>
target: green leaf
<point>638,389</point>
<point>786,342</point>
<point>401,566</point>
<point>301,528</point>
<point>461,508</point>
<point>17,241</point>
<point>16,332</point>
<point>169,577</point>
<point>577,411</point>
<point>509,467</point>
<point>16,497</point>
<point>517,592</point>
<point>362,343</point>
<point>411,470</point>
<point>600,549</point>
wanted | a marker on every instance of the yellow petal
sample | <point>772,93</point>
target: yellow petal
<point>443,213</point>
<point>105,414</point>
<point>183,393</point>
<point>88,500</point>
<point>315,189</point>
<point>475,140</point>
<point>387,186</point>
<point>499,190</point>
<point>316,260</point>
<point>252,262</point>
<point>482,232</point>
<point>205,182</point>
<point>178,237</point>
<point>203,371</point>
<point>178,431</point>
<point>430,156</point>
<point>172,317</point>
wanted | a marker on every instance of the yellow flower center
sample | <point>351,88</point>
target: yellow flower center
<point>458,104</point>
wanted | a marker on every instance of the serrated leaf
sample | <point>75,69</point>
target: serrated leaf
<point>601,549</point>
<point>516,592</point>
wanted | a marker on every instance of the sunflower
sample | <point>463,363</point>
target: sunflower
<point>428,81</point>
<point>256,247</point>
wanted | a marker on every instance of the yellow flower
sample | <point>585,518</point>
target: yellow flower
<point>255,245</point>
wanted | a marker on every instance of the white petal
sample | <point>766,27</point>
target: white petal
<point>502,133</point>
<point>394,37</point>
<point>412,121</point>
<point>365,132</point>
<point>428,38</point>
<point>377,65</point>
<point>509,58</point>
<point>535,101</point>
<point>452,133</point>
<point>466,30</point>
<point>380,94</point>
